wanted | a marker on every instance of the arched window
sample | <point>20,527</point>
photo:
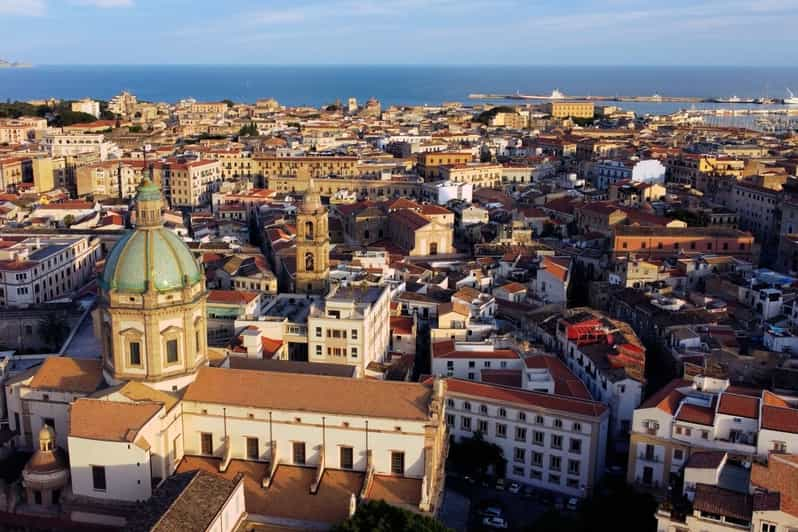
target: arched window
<point>309,262</point>
<point>309,230</point>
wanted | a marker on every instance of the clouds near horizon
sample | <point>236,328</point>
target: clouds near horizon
<point>701,32</point>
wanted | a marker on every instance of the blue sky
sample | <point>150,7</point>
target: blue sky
<point>571,32</point>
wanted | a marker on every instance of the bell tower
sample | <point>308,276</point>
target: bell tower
<point>312,244</point>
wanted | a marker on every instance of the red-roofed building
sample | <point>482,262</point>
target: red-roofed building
<point>706,414</point>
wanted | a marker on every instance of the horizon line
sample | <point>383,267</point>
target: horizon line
<point>400,65</point>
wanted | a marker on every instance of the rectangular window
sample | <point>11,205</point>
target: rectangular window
<point>573,467</point>
<point>134,349</point>
<point>318,332</point>
<point>397,463</point>
<point>537,459</point>
<point>318,351</point>
<point>206,443</point>
<point>171,351</point>
<point>482,426</point>
<point>353,351</point>
<point>50,422</point>
<point>465,423</point>
<point>537,437</point>
<point>575,445</point>
<point>299,452</point>
<point>520,434</point>
<point>98,477</point>
<point>347,458</point>
<point>519,455</point>
<point>354,334</point>
<point>501,430</point>
<point>556,441</point>
<point>554,463</point>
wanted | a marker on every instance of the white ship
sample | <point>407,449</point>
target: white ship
<point>792,99</point>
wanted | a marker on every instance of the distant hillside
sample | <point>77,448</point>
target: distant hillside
<point>12,64</point>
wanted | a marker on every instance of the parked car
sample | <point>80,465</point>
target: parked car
<point>573,504</point>
<point>495,522</point>
<point>491,511</point>
<point>514,487</point>
<point>500,484</point>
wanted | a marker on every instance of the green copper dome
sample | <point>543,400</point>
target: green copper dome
<point>149,256</point>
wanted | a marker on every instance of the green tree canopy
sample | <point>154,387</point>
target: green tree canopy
<point>249,130</point>
<point>477,456</point>
<point>379,516</point>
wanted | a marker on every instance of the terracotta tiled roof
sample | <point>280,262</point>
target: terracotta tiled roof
<point>513,287</point>
<point>288,497</point>
<point>525,397</point>
<point>706,460</point>
<point>312,393</point>
<point>230,297</point>
<point>714,500</point>
<point>395,490</point>
<point>445,349</point>
<point>565,382</point>
<point>503,377</point>
<point>557,267</point>
<point>667,398</point>
<point>780,419</point>
<point>69,375</point>
<point>99,419</point>
<point>699,415</point>
<point>739,405</point>
<point>401,325</point>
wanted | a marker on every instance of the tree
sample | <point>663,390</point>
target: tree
<point>69,220</point>
<point>477,456</point>
<point>249,130</point>
<point>229,103</point>
<point>379,516</point>
<point>53,330</point>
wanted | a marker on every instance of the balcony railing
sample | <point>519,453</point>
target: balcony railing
<point>649,457</point>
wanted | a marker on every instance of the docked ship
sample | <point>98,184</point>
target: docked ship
<point>734,99</point>
<point>792,99</point>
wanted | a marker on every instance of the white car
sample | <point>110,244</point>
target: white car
<point>491,511</point>
<point>514,487</point>
<point>573,504</point>
<point>494,522</point>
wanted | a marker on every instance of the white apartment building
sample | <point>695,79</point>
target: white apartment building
<point>190,184</point>
<point>476,174</point>
<point>442,192</point>
<point>104,180</point>
<point>88,106</point>
<point>472,360</point>
<point>34,270</point>
<point>609,359</point>
<point>351,326</point>
<point>550,441</point>
<point>59,144</point>
<point>707,414</point>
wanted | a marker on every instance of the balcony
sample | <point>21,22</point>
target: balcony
<point>649,457</point>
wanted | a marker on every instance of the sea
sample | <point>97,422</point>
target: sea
<point>408,85</point>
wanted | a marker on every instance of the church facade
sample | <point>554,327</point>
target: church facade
<point>310,447</point>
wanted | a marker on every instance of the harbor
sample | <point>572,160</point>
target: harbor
<point>557,95</point>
